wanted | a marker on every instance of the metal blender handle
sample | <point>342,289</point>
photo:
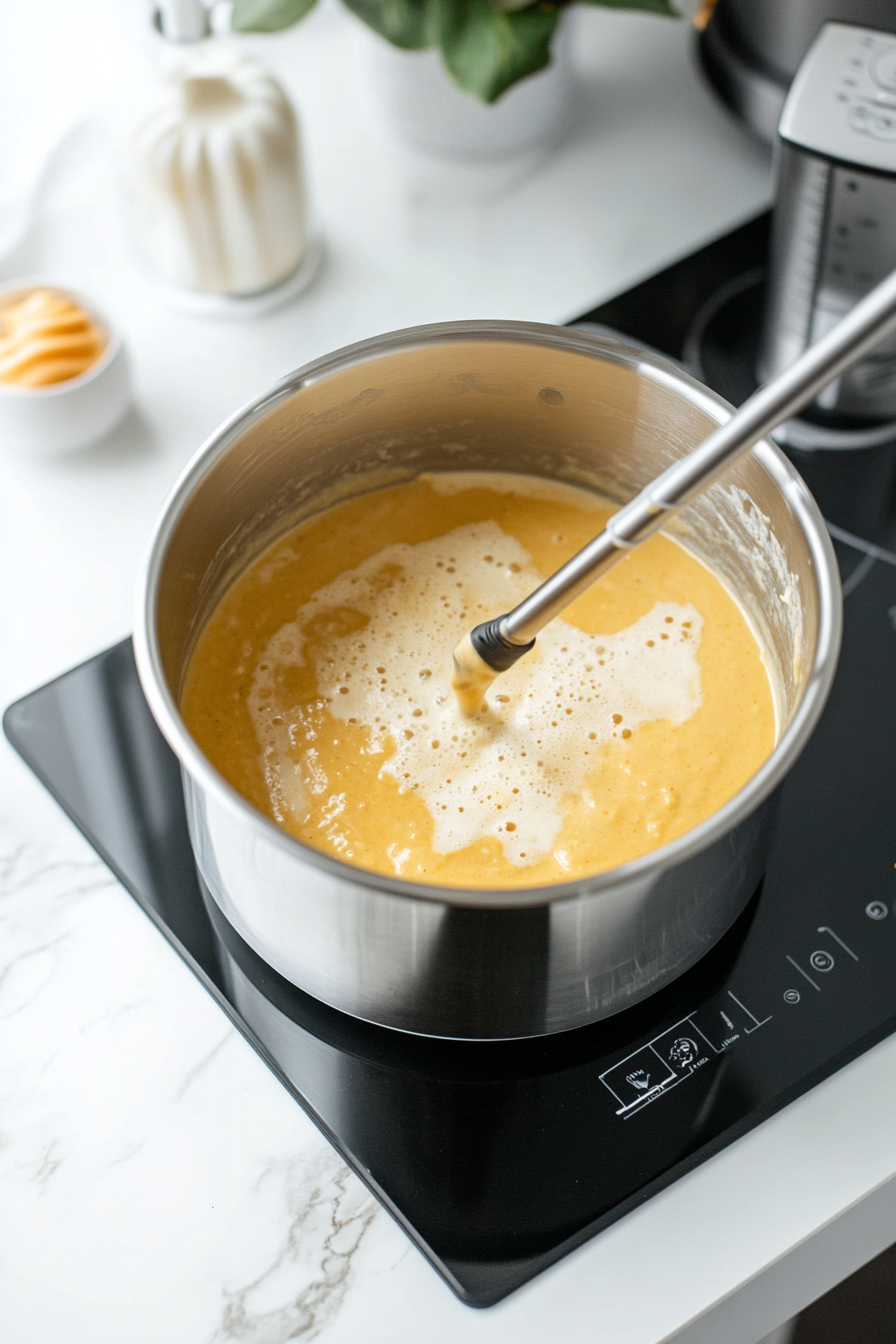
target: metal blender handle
<point>500,642</point>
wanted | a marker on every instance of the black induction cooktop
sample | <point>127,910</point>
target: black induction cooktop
<point>498,1158</point>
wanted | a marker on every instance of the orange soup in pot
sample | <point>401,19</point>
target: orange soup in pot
<point>320,688</point>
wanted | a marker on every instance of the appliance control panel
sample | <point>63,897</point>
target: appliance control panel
<point>647,1074</point>
<point>808,966</point>
<point>842,103</point>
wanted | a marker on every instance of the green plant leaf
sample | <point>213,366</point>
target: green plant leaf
<point>664,7</point>
<point>404,23</point>
<point>267,16</point>
<point>488,49</point>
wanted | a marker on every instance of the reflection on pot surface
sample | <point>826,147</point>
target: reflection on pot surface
<point>445,1128</point>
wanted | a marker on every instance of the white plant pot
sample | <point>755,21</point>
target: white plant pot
<point>420,103</point>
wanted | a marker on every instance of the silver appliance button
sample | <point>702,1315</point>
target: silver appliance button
<point>883,67</point>
<point>859,117</point>
<point>880,124</point>
<point>883,126</point>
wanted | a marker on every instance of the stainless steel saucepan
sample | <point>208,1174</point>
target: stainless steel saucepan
<point>484,396</point>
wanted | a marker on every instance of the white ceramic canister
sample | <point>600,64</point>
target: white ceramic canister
<point>212,177</point>
<point>420,103</point>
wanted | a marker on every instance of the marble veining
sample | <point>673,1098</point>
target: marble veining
<point>198,1069</point>
<point>49,1164</point>
<point>299,1293</point>
<point>120,1079</point>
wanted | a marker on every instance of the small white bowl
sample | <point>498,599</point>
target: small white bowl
<point>66,416</point>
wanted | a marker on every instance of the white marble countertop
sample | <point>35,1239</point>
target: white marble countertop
<point>156,1181</point>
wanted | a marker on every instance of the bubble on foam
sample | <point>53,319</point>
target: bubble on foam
<point>380,639</point>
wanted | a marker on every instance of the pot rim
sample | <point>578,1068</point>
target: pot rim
<point>637,871</point>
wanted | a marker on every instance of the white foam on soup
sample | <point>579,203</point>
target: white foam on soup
<point>381,650</point>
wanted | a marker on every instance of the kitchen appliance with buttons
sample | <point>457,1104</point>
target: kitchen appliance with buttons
<point>834,230</point>
<point>750,50</point>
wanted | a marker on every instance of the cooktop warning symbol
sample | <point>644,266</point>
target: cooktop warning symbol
<point>683,1052</point>
<point>674,1055</point>
<point>640,1076</point>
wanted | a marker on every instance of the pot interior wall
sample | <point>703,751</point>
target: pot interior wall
<point>559,406</point>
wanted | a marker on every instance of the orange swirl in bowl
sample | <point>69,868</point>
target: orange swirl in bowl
<point>46,338</point>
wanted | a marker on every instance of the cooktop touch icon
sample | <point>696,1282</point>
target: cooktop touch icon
<point>673,1056</point>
